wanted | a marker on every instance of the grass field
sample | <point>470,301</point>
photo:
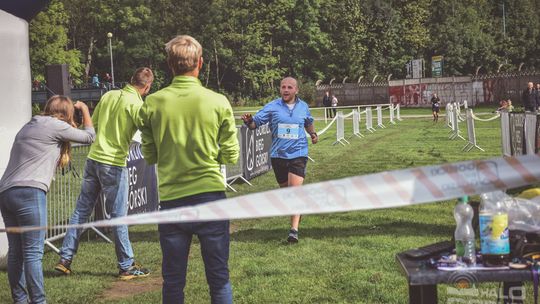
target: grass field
<point>341,258</point>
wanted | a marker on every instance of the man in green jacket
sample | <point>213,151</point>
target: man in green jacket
<point>116,119</point>
<point>189,131</point>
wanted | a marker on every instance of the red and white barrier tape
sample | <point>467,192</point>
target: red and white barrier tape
<point>374,191</point>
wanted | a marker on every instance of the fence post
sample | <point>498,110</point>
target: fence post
<point>392,108</point>
<point>455,133</point>
<point>471,134</point>
<point>505,134</point>
<point>340,132</point>
<point>530,133</point>
<point>356,124</point>
<point>379,118</point>
<point>369,120</point>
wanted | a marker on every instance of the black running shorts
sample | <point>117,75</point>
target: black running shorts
<point>282,167</point>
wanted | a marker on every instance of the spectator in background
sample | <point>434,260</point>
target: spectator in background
<point>327,102</point>
<point>95,81</point>
<point>334,104</point>
<point>503,106</point>
<point>35,85</point>
<point>188,131</point>
<point>537,96</point>
<point>108,81</point>
<point>529,98</point>
<point>509,106</point>
<point>435,106</point>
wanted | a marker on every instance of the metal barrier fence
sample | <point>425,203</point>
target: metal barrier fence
<point>369,120</point>
<point>505,134</point>
<point>340,133</point>
<point>233,172</point>
<point>63,192</point>
<point>530,133</point>
<point>471,133</point>
<point>356,123</point>
<point>379,117</point>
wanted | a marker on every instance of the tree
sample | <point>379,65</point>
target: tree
<point>462,33</point>
<point>343,21</point>
<point>521,42</point>
<point>49,43</point>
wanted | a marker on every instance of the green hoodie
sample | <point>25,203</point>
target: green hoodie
<point>115,120</point>
<point>188,131</point>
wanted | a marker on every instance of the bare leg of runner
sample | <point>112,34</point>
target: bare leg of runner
<point>295,180</point>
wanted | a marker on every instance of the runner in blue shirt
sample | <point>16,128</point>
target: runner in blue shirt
<point>288,116</point>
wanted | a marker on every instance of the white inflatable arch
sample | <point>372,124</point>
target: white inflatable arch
<point>15,82</point>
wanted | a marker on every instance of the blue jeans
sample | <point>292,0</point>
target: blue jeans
<point>25,206</point>
<point>112,182</point>
<point>175,240</point>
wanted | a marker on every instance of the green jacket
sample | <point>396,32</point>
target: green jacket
<point>115,120</point>
<point>188,131</point>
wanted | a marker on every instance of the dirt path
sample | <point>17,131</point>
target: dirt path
<point>126,289</point>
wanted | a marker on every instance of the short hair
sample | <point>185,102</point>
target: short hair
<point>142,77</point>
<point>290,79</point>
<point>183,53</point>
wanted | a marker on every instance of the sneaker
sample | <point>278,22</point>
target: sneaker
<point>293,236</point>
<point>133,272</point>
<point>63,266</point>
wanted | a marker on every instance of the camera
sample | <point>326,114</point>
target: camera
<point>77,116</point>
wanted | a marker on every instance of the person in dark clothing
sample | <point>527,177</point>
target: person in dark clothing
<point>529,98</point>
<point>435,106</point>
<point>327,102</point>
<point>537,91</point>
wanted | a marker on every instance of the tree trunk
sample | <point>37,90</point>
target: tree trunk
<point>208,73</point>
<point>217,66</point>
<point>89,58</point>
<point>271,54</point>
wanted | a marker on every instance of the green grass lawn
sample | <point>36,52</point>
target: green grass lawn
<point>341,258</point>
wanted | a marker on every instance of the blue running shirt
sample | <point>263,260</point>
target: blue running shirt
<point>287,126</point>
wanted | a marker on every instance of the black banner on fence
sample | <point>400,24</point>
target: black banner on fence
<point>256,152</point>
<point>143,195</point>
<point>517,124</point>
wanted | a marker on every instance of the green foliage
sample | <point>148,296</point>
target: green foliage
<point>48,42</point>
<point>36,109</point>
<point>463,33</point>
<point>250,45</point>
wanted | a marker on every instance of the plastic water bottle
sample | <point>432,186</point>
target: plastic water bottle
<point>464,234</point>
<point>494,233</point>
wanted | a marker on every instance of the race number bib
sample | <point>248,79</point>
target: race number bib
<point>288,131</point>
